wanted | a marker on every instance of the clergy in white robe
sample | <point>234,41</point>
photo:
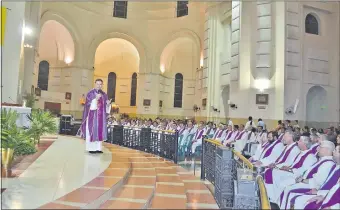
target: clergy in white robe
<point>240,139</point>
<point>263,145</point>
<point>303,201</point>
<point>209,130</point>
<point>273,150</point>
<point>313,178</point>
<point>231,135</point>
<point>287,156</point>
<point>220,133</point>
<point>197,140</point>
<point>286,175</point>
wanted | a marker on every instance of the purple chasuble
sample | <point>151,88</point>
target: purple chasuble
<point>96,118</point>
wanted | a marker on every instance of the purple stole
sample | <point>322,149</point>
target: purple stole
<point>304,190</point>
<point>315,149</point>
<point>316,168</point>
<point>302,159</point>
<point>268,174</point>
<point>332,201</point>
<point>332,179</point>
<point>199,134</point>
<point>264,147</point>
<point>181,131</point>
<point>269,150</point>
<point>218,134</point>
<point>229,135</point>
<point>208,131</point>
<point>239,135</point>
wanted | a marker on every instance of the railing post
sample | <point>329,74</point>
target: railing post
<point>176,147</point>
<point>202,158</point>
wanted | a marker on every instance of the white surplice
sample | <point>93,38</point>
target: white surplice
<point>282,179</point>
<point>313,183</point>
<point>95,145</point>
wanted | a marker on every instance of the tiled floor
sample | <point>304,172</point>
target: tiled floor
<point>62,168</point>
<point>65,177</point>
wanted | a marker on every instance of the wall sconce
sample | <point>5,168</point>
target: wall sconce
<point>215,109</point>
<point>162,68</point>
<point>261,84</point>
<point>232,105</point>
<point>196,108</point>
<point>68,60</point>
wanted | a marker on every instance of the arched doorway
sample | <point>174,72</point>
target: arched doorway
<point>316,105</point>
<point>115,61</point>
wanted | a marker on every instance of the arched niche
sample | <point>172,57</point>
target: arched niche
<point>64,20</point>
<point>316,105</point>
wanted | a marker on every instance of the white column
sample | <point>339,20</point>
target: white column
<point>264,68</point>
<point>32,20</point>
<point>235,40</point>
<point>12,50</point>
<point>211,62</point>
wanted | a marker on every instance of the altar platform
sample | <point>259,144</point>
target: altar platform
<point>67,177</point>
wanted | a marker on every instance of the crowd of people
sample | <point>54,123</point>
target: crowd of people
<point>301,165</point>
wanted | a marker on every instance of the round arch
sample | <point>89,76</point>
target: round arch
<point>316,104</point>
<point>104,36</point>
<point>63,20</point>
<point>180,34</point>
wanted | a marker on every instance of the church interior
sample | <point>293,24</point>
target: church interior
<point>214,105</point>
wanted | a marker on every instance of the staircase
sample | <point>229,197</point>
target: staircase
<point>138,180</point>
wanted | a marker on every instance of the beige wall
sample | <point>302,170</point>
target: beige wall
<point>224,35</point>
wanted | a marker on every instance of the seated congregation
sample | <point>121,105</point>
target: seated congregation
<point>301,166</point>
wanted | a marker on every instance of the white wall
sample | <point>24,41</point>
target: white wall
<point>12,51</point>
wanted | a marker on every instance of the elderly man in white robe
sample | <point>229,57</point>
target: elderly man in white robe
<point>313,178</point>
<point>315,198</point>
<point>286,175</point>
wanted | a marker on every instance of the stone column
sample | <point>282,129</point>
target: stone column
<point>211,62</point>
<point>12,50</point>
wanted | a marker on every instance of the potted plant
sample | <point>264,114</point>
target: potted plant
<point>12,137</point>
<point>30,100</point>
<point>42,122</point>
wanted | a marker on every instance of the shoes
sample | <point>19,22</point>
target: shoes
<point>95,152</point>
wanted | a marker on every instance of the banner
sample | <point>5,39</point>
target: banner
<point>3,24</point>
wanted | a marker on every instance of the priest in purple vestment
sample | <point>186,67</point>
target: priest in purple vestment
<point>94,124</point>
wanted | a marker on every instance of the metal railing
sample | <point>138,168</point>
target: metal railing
<point>242,172</point>
<point>162,143</point>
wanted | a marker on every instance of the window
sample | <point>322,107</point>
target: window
<point>44,71</point>
<point>311,25</point>
<point>182,8</point>
<point>178,93</point>
<point>133,90</point>
<point>111,86</point>
<point>120,9</point>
